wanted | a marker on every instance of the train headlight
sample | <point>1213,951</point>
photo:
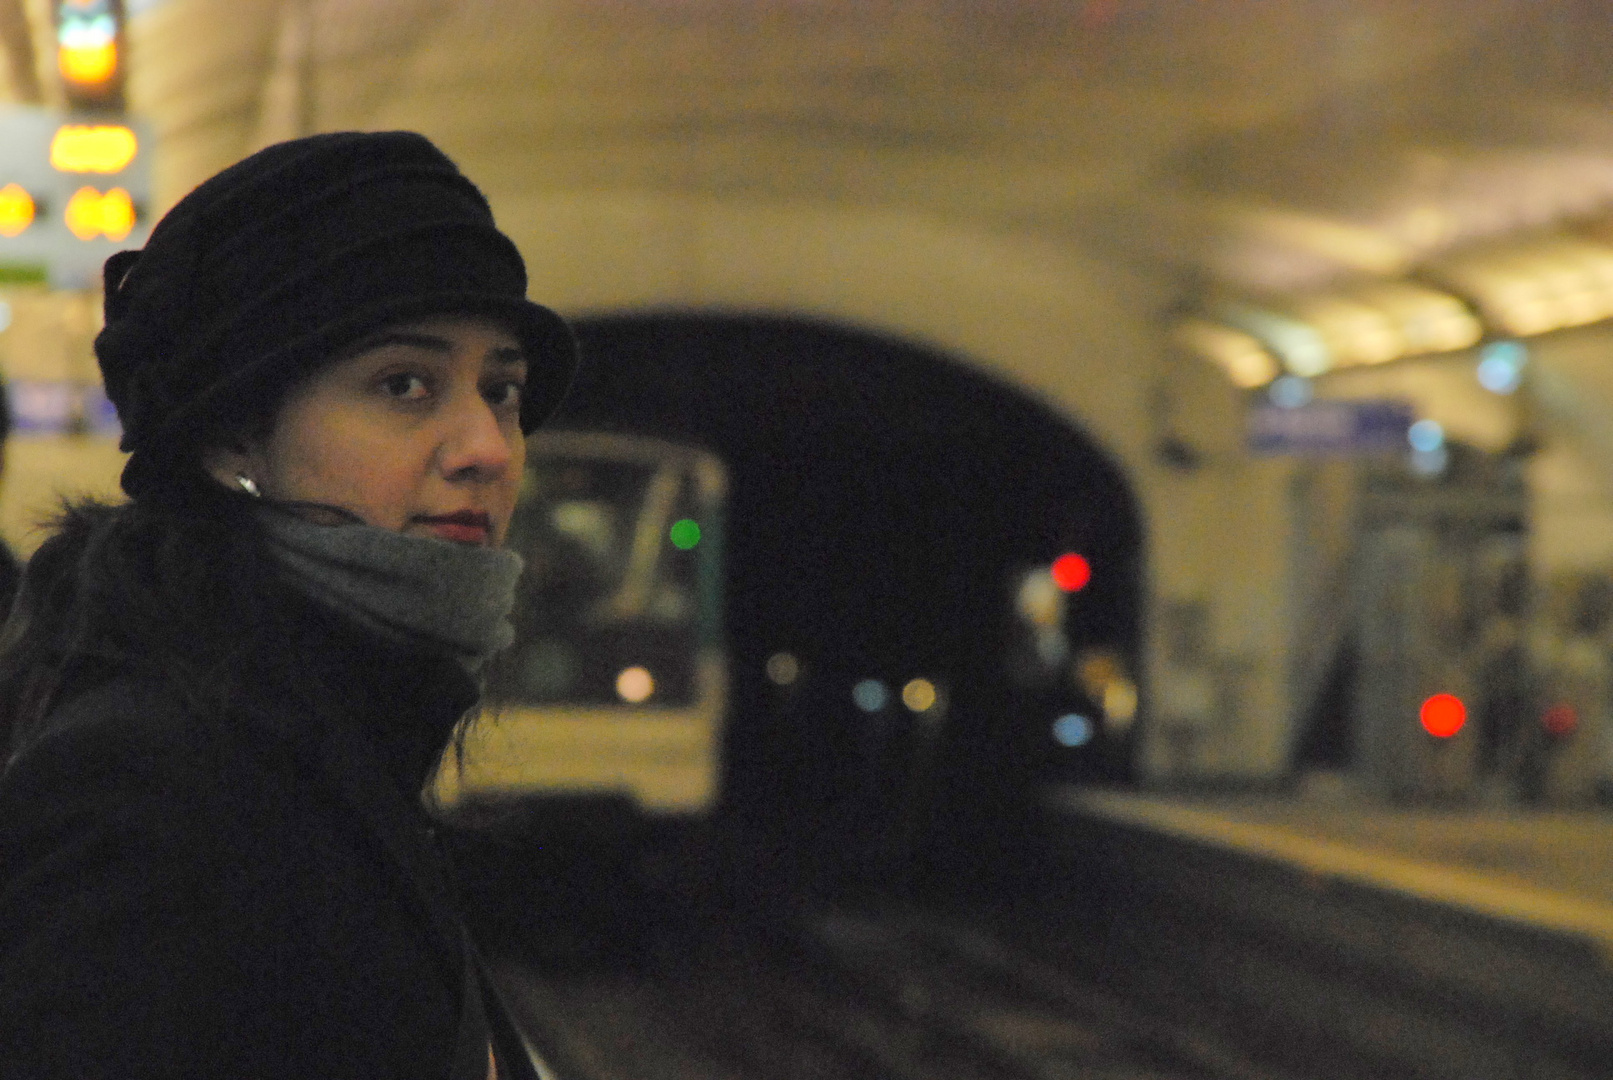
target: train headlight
<point>635,685</point>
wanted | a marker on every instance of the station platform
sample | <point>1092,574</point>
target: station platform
<point>1461,943</point>
<point>1549,870</point>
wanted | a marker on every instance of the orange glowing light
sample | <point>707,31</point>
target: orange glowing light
<point>88,65</point>
<point>1443,715</point>
<point>90,214</point>
<point>1071,572</point>
<point>1560,719</point>
<point>16,210</point>
<point>101,148</point>
<point>634,685</point>
<point>919,695</point>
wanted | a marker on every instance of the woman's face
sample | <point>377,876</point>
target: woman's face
<point>417,430</point>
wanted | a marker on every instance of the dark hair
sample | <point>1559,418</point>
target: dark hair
<point>137,586</point>
<point>187,592</point>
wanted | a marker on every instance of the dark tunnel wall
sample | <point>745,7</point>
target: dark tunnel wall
<point>883,499</point>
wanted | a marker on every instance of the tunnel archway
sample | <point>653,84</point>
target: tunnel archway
<point>884,499</point>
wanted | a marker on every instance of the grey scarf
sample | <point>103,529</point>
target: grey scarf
<point>414,589</point>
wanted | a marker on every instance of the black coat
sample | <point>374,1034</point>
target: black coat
<point>254,894</point>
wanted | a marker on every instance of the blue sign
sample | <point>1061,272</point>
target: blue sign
<point>43,408</point>
<point>1331,427</point>
<point>61,407</point>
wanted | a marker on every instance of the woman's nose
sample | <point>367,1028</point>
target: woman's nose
<point>475,442</point>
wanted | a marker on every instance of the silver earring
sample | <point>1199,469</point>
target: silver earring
<point>248,485</point>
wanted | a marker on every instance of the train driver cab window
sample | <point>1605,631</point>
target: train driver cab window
<point>612,583</point>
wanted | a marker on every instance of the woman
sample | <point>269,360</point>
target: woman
<point>226,694</point>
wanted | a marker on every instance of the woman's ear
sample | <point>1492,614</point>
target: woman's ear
<point>235,466</point>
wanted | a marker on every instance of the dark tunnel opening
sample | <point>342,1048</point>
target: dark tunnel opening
<point>884,500</point>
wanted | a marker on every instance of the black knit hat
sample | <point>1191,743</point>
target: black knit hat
<point>267,270</point>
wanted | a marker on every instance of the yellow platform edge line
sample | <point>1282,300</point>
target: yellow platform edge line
<point>1439,882</point>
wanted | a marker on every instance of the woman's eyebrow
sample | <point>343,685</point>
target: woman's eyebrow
<point>409,338</point>
<point>504,355</point>
<point>508,360</point>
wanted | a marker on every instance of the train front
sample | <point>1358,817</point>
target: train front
<point>615,689</point>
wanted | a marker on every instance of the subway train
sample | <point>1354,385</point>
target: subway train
<point>864,658</point>
<point>615,689</point>
<point>602,733</point>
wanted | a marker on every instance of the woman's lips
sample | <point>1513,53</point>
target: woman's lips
<point>461,528</point>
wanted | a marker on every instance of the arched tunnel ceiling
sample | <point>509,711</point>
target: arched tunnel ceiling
<point>1036,113</point>
<point>1244,141</point>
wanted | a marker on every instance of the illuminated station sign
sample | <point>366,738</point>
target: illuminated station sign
<point>73,190</point>
<point>89,53</point>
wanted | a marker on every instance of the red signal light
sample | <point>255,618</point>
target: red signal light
<point>1443,715</point>
<point>1560,719</point>
<point>1071,572</point>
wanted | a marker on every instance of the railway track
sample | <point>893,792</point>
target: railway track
<point>835,996</point>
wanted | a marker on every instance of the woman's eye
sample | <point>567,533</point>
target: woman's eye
<point>405,386</point>
<point>505,394</point>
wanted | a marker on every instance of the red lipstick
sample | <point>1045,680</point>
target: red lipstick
<point>464,527</point>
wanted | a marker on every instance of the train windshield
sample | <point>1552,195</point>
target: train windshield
<point>612,607</point>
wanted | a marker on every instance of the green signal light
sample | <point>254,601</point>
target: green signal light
<point>685,534</point>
